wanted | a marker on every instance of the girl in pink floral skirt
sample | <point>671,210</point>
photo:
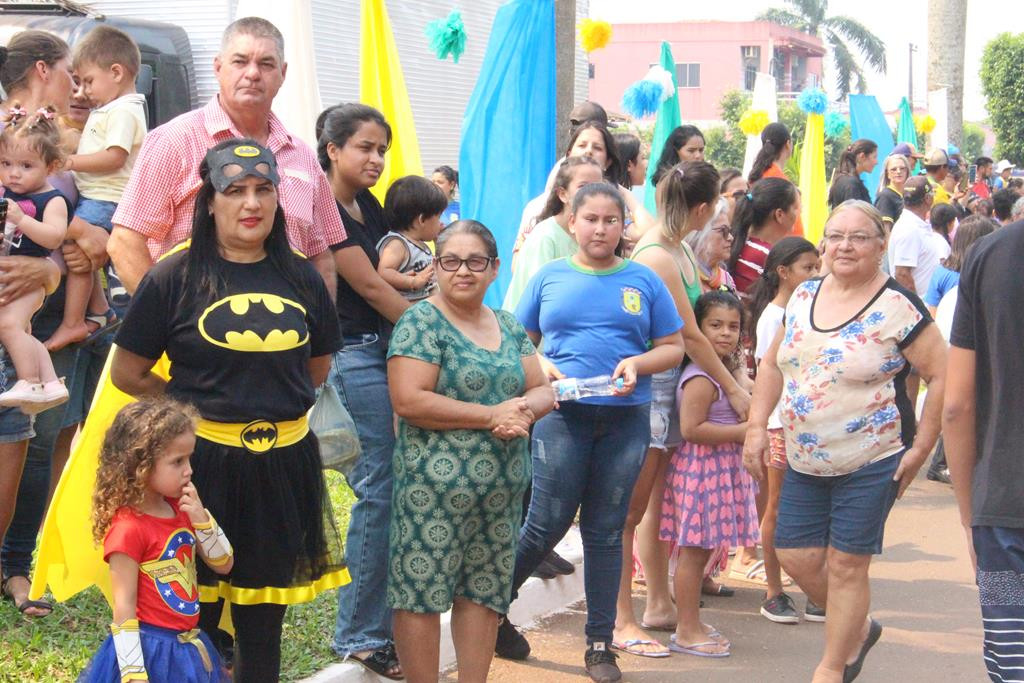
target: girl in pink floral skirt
<point>709,497</point>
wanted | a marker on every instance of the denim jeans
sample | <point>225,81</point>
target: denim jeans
<point>587,457</point>
<point>359,374</point>
<point>80,366</point>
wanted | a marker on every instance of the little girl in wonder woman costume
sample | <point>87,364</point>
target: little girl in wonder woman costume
<point>152,524</point>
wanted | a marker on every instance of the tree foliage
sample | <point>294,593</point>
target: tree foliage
<point>974,142</point>
<point>839,33</point>
<point>1004,89</point>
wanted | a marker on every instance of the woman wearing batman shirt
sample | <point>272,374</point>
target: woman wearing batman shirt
<point>249,329</point>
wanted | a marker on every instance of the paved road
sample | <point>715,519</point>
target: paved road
<point>922,592</point>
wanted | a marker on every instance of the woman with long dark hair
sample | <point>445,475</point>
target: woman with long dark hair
<point>860,157</point>
<point>776,148</point>
<point>763,216</point>
<point>352,141</point>
<point>237,311</point>
<point>947,273</point>
<point>685,143</point>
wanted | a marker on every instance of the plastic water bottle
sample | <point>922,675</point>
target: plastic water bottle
<point>575,388</point>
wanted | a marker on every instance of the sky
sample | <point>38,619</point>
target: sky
<point>896,22</point>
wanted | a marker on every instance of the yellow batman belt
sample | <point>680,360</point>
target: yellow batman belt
<point>258,436</point>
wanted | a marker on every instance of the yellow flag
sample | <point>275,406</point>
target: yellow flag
<point>68,559</point>
<point>813,195</point>
<point>382,85</point>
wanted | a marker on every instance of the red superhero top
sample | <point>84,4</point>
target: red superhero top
<point>168,595</point>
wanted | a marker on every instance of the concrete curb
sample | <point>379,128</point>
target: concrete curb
<point>537,599</point>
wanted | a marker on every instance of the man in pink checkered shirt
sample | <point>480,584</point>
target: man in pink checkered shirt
<point>155,212</point>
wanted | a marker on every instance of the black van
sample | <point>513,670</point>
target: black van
<point>167,77</point>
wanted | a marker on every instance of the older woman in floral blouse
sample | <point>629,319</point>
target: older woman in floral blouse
<point>840,365</point>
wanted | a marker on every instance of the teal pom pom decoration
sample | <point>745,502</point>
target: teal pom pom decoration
<point>447,36</point>
<point>642,98</point>
<point>835,124</point>
<point>812,101</point>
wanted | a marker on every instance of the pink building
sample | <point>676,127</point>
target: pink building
<point>711,57</point>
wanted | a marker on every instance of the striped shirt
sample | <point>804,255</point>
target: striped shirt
<point>160,195</point>
<point>750,264</point>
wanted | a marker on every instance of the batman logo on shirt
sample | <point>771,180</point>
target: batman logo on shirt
<point>255,322</point>
<point>259,436</point>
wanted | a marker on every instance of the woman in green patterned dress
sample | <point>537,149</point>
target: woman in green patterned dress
<point>466,384</point>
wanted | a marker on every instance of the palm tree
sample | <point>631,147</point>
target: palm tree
<point>811,16</point>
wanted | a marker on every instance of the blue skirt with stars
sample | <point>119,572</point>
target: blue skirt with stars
<point>170,657</point>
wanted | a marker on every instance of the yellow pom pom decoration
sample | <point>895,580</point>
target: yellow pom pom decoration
<point>927,124</point>
<point>594,34</point>
<point>754,121</point>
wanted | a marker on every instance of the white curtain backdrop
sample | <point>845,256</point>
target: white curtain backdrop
<point>764,98</point>
<point>298,102</point>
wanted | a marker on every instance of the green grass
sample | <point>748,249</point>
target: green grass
<point>57,647</point>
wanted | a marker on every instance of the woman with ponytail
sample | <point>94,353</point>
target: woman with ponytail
<point>860,157</point>
<point>776,148</point>
<point>763,216</point>
<point>687,197</point>
<point>790,262</point>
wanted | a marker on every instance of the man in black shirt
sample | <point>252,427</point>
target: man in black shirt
<point>983,434</point>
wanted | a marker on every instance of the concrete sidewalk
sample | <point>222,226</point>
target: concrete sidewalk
<point>922,591</point>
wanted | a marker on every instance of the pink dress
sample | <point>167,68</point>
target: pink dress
<point>709,497</point>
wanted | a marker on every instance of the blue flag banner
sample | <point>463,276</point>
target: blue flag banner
<point>508,132</point>
<point>868,121</point>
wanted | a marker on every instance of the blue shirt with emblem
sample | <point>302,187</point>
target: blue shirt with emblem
<point>591,320</point>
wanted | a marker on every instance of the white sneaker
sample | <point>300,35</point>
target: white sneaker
<point>23,393</point>
<point>53,392</point>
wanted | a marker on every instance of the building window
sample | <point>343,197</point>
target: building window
<point>590,71</point>
<point>688,75</point>
<point>750,56</point>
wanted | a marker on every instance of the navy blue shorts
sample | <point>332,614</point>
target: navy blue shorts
<point>847,512</point>
<point>1000,553</point>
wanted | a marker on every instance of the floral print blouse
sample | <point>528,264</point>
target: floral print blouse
<point>844,401</point>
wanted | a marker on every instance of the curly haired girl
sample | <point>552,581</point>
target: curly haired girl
<point>36,223</point>
<point>149,517</point>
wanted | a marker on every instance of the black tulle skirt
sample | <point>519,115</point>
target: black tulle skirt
<point>275,511</point>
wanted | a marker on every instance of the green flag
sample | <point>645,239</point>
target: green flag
<point>905,131</point>
<point>667,121</point>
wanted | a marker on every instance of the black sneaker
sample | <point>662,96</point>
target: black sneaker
<point>780,609</point>
<point>560,564</point>
<point>545,570</point>
<point>940,475</point>
<point>511,644</point>
<point>814,613</point>
<point>600,663</point>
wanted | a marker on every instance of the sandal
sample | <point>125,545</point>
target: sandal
<point>695,648</point>
<point>719,590</point>
<point>105,322</point>
<point>25,604</point>
<point>632,647</point>
<point>851,671</point>
<point>755,575</point>
<point>380,662</point>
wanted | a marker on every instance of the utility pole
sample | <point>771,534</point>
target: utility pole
<point>565,68</point>
<point>911,49</point>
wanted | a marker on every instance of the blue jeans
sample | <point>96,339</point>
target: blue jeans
<point>359,374</point>
<point>80,365</point>
<point>15,425</point>
<point>586,457</point>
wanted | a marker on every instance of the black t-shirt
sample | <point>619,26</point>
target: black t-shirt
<point>245,356</point>
<point>889,203</point>
<point>847,187</point>
<point>988,321</point>
<point>357,316</point>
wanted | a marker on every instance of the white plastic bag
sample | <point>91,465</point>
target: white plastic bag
<point>335,429</point>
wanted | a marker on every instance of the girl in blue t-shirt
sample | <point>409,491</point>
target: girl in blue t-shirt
<point>597,314</point>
